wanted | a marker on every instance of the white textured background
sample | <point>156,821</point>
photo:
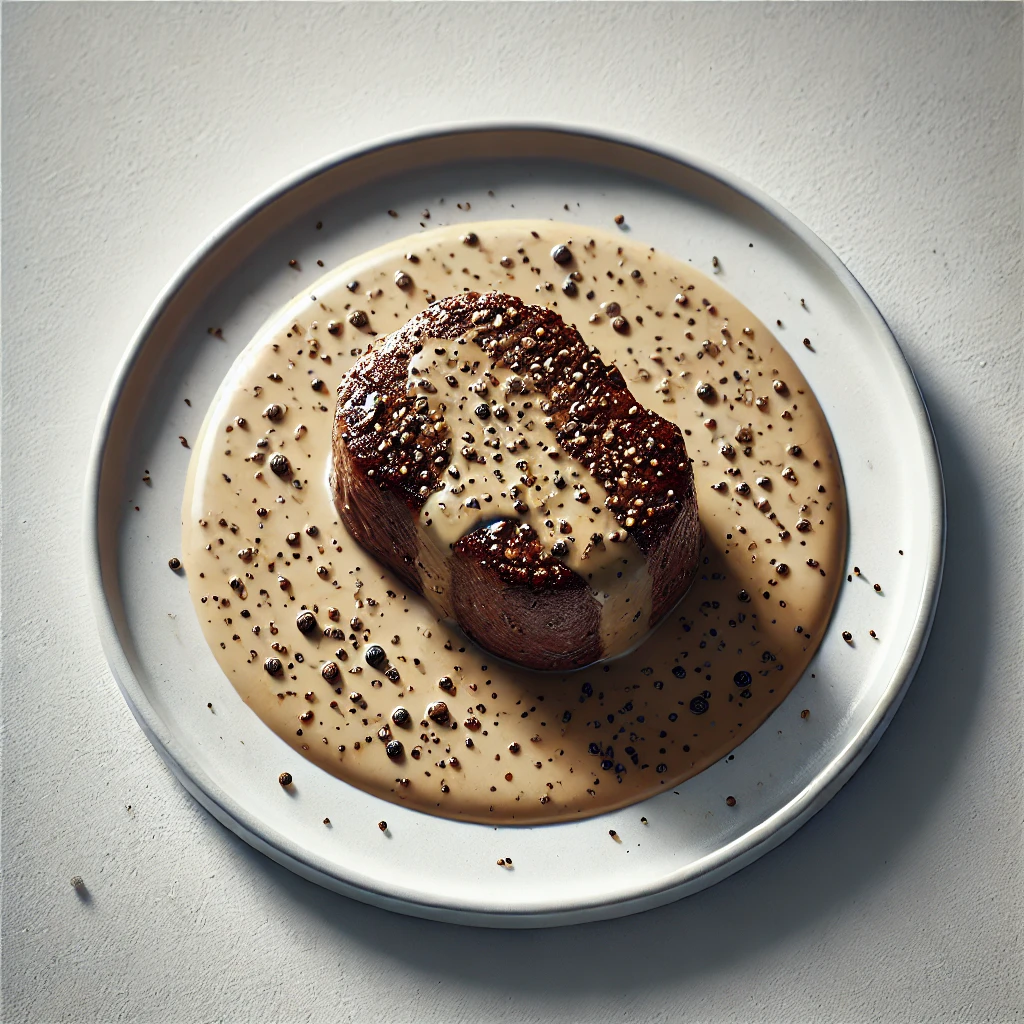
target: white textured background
<point>130,131</point>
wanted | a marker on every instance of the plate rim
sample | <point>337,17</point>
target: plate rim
<point>726,860</point>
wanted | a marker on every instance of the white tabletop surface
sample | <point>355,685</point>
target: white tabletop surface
<point>131,131</point>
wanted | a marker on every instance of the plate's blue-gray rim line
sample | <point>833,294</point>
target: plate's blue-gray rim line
<point>714,867</point>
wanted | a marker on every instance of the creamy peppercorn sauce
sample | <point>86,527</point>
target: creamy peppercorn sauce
<point>506,745</point>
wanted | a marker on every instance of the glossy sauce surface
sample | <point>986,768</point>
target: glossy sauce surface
<point>261,550</point>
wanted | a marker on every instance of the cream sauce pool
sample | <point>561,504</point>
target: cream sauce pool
<point>520,747</point>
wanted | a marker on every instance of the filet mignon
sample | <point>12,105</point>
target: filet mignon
<point>492,461</point>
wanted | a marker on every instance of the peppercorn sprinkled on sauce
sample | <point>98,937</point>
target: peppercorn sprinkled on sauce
<point>354,670</point>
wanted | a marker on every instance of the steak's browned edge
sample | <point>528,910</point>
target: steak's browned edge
<point>541,613</point>
<point>391,448</point>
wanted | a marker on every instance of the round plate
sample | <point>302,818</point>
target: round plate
<point>442,869</point>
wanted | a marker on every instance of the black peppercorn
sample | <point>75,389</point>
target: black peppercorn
<point>394,750</point>
<point>482,411</point>
<point>400,716</point>
<point>174,563</point>
<point>306,622</point>
<point>285,778</point>
<point>330,671</point>
<point>316,384</point>
<point>375,656</point>
<point>273,666</point>
<point>274,412</point>
<point>569,286</point>
<point>705,392</point>
<point>561,254</point>
<point>279,464</point>
<point>358,318</point>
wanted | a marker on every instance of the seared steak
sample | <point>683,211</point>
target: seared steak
<point>501,469</point>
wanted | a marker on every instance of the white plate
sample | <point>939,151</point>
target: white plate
<point>433,867</point>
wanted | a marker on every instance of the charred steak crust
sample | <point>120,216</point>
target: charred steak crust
<point>391,441</point>
<point>514,553</point>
